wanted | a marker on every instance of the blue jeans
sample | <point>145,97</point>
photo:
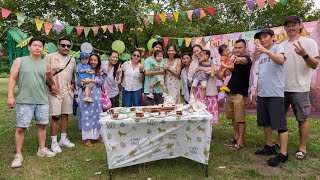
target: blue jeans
<point>131,98</point>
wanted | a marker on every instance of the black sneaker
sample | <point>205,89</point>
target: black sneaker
<point>267,150</point>
<point>275,161</point>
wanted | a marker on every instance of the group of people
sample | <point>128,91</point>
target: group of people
<point>46,87</point>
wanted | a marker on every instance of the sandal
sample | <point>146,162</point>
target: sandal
<point>89,143</point>
<point>100,139</point>
<point>300,155</point>
<point>230,142</point>
<point>236,147</point>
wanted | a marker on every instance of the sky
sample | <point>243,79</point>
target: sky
<point>317,4</point>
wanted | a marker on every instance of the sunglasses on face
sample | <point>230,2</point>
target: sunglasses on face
<point>135,55</point>
<point>65,45</point>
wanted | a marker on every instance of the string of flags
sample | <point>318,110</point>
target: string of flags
<point>261,3</point>
<point>58,27</point>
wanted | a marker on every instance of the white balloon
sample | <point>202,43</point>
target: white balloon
<point>86,47</point>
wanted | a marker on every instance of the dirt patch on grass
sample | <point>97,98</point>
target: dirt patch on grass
<point>260,163</point>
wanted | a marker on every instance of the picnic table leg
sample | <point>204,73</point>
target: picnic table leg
<point>110,174</point>
<point>205,166</point>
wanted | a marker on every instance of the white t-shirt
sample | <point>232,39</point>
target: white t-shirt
<point>297,73</point>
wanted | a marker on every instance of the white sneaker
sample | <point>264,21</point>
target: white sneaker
<point>55,147</point>
<point>66,143</point>
<point>164,94</point>
<point>17,161</point>
<point>150,96</point>
<point>45,152</point>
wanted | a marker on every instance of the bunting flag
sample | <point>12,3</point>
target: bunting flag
<point>157,17</point>
<point>217,39</point>
<point>206,38</point>
<point>188,41</point>
<point>197,12</point>
<point>165,41</point>
<point>271,3</point>
<point>47,27</point>
<point>202,13</point>
<point>145,20</point>
<point>69,29</point>
<point>163,17</point>
<point>117,27</point>
<point>197,40</point>
<point>250,4</point>
<point>190,12</point>
<point>211,10</point>
<point>58,28</point>
<point>260,3</point>
<point>180,41</point>
<point>5,12</point>
<point>151,18</point>
<point>169,16</point>
<point>20,19</point>
<point>248,35</point>
<point>183,14</point>
<point>86,31</point>
<point>283,2</point>
<point>110,28</point>
<point>120,27</point>
<point>104,28</point>
<point>95,30</point>
<point>39,24</point>
<point>79,30</point>
<point>176,16</point>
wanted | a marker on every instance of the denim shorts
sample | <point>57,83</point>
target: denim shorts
<point>25,112</point>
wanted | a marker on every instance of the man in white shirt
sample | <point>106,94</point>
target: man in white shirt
<point>302,57</point>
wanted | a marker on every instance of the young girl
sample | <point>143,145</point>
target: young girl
<point>203,76</point>
<point>226,67</point>
<point>158,64</point>
<point>186,85</point>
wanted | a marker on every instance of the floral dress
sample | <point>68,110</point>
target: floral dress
<point>172,82</point>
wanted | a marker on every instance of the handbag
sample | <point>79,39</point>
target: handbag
<point>106,102</point>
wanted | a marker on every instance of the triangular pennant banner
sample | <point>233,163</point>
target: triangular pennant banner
<point>211,10</point>
<point>5,12</point>
<point>169,16</point>
<point>151,18</point>
<point>47,27</point>
<point>180,41</point>
<point>206,38</point>
<point>58,28</point>
<point>188,41</point>
<point>260,3</point>
<point>283,2</point>
<point>163,17</point>
<point>104,28</point>
<point>271,3</point>
<point>183,14</point>
<point>197,40</point>
<point>145,20</point>
<point>110,28</point>
<point>248,34</point>
<point>39,24</point>
<point>20,19</point>
<point>95,30</point>
<point>69,29</point>
<point>117,27</point>
<point>157,17</point>
<point>121,27</point>
<point>165,41</point>
<point>86,31</point>
<point>190,12</point>
<point>79,30</point>
<point>176,16</point>
<point>202,13</point>
<point>197,12</point>
<point>250,4</point>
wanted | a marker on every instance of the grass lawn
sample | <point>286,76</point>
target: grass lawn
<point>82,163</point>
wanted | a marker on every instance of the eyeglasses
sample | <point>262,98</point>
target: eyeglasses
<point>135,55</point>
<point>65,45</point>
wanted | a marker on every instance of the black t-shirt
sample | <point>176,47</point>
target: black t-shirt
<point>239,82</point>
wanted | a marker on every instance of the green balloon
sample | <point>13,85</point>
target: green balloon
<point>150,42</point>
<point>118,46</point>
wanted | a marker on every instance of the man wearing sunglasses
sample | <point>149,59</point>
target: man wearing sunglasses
<point>61,95</point>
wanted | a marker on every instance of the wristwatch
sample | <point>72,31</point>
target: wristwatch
<point>142,71</point>
<point>305,57</point>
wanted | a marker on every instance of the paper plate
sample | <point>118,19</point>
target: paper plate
<point>198,106</point>
<point>86,47</point>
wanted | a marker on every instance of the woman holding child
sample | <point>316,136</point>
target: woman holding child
<point>210,99</point>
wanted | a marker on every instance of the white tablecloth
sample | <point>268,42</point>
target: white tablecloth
<point>131,141</point>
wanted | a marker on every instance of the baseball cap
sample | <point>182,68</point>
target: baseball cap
<point>264,31</point>
<point>84,55</point>
<point>292,18</point>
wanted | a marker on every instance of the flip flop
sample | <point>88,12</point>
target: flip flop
<point>236,147</point>
<point>300,155</point>
<point>230,142</point>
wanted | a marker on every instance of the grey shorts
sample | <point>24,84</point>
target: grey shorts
<point>25,112</point>
<point>270,112</point>
<point>300,103</point>
<point>157,78</point>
